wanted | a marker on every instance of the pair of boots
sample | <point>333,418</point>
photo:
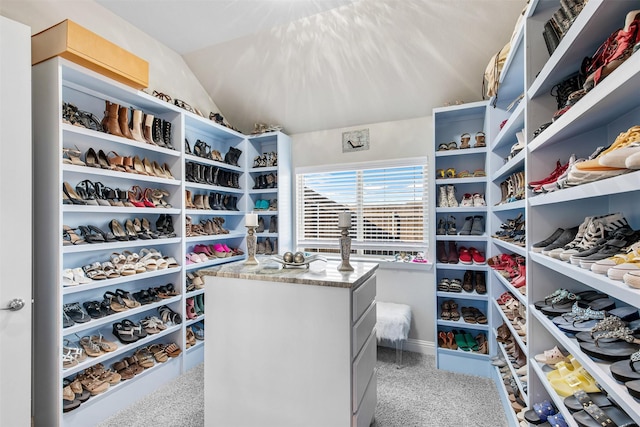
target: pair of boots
<point>195,306</point>
<point>273,224</point>
<point>447,196</point>
<point>473,226</point>
<point>142,127</point>
<point>266,248</point>
<point>445,256</point>
<point>232,156</point>
<point>474,280</point>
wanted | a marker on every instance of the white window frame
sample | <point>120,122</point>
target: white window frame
<point>357,233</point>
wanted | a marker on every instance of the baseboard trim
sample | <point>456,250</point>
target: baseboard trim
<point>416,346</point>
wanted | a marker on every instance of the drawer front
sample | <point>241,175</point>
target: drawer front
<point>367,410</point>
<point>362,329</point>
<point>363,367</point>
<point>362,297</point>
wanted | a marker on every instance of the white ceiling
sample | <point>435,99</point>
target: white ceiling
<point>325,64</point>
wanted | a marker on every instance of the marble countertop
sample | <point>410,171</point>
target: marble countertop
<point>319,273</point>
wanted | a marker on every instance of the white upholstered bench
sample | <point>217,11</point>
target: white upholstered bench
<point>392,324</point>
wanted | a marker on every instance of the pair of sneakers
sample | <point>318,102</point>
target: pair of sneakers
<point>472,201</point>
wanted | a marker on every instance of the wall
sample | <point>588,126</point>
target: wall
<point>389,140</point>
<point>168,73</point>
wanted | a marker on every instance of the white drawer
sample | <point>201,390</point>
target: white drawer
<point>362,369</point>
<point>362,297</point>
<point>362,329</point>
<point>363,417</point>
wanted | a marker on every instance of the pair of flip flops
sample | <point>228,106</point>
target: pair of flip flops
<point>584,319</point>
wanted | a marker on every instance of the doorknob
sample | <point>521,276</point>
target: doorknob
<point>14,305</point>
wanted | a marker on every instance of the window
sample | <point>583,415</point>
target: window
<point>387,201</point>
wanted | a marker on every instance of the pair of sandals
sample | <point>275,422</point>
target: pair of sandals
<point>450,285</point>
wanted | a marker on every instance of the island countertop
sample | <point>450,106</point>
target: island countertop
<point>272,271</point>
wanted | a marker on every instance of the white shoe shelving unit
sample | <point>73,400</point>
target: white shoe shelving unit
<point>596,120</point>
<point>607,110</point>
<point>56,81</point>
<point>450,123</point>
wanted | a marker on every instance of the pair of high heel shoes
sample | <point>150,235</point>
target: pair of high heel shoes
<point>97,194</point>
<point>116,162</point>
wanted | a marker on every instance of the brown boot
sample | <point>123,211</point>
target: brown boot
<point>123,120</point>
<point>110,120</point>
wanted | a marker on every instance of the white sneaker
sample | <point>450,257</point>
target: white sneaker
<point>478,200</point>
<point>467,201</point>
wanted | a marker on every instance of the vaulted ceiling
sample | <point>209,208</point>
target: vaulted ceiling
<point>324,64</point>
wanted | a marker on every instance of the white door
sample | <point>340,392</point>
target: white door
<point>15,224</point>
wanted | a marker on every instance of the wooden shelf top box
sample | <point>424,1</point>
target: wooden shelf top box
<point>77,44</point>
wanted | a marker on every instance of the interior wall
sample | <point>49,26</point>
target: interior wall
<point>168,73</point>
<point>388,140</point>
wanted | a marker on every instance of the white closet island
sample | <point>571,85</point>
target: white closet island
<point>290,347</point>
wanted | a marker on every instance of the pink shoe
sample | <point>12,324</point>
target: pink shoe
<point>477,256</point>
<point>219,251</point>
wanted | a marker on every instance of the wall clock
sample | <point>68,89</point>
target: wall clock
<point>355,140</point>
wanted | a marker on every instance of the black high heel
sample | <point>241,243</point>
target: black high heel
<point>160,225</point>
<point>90,236</point>
<point>107,236</point>
<point>72,196</point>
<point>101,197</point>
<point>137,226</point>
<point>117,230</point>
<point>187,147</point>
<point>130,230</point>
<point>87,192</point>
<point>146,228</point>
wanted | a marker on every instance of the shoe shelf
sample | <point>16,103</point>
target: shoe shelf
<point>620,184</point>
<point>458,237</point>
<point>510,413</point>
<point>75,417</point>
<point>471,354</point>
<point>457,324</point>
<point>510,206</point>
<point>198,344</point>
<point>82,171</point>
<point>463,295</point>
<point>195,292</point>
<point>95,324</point>
<point>514,123</point>
<point>463,210</point>
<point>90,247</point>
<point>212,212</point>
<point>598,370</point>
<point>215,188</point>
<point>514,165</point>
<point>97,284</point>
<point>86,209</point>
<point>511,76</point>
<point>459,266</point>
<point>197,319</point>
<point>231,235</point>
<point>591,27</point>
<point>211,263</point>
<point>122,348</point>
<point>73,135</point>
<point>514,333</point>
<point>216,163</point>
<point>508,246</point>
<point>509,287</point>
<point>605,103</point>
<point>263,191</point>
<point>512,370</point>
<point>462,152</point>
<point>600,282</point>
<point>263,169</point>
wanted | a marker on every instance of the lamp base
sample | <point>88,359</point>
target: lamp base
<point>345,266</point>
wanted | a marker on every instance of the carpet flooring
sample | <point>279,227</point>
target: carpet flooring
<point>417,395</point>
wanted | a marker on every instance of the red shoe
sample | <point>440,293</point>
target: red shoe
<point>477,256</point>
<point>464,255</point>
<point>553,176</point>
